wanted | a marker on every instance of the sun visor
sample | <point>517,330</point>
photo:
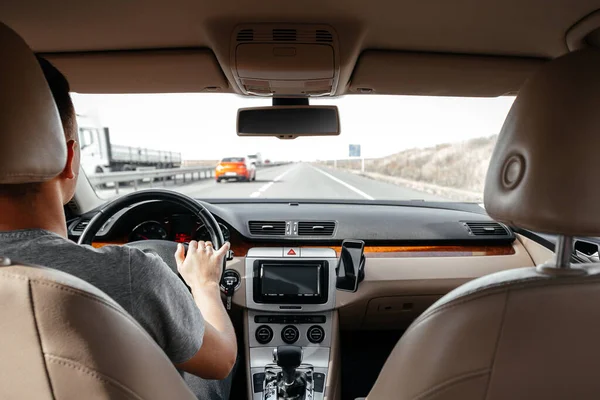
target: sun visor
<point>163,71</point>
<point>405,73</point>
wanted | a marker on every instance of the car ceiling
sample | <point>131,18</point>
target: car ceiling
<point>528,29</point>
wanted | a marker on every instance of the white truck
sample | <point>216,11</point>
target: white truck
<point>99,155</point>
<point>256,159</point>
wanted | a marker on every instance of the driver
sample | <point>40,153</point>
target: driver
<point>193,330</point>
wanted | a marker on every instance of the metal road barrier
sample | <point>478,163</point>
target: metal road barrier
<point>163,175</point>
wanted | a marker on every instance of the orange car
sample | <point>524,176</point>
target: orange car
<point>239,168</point>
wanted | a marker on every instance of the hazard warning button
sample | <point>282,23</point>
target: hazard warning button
<point>291,252</point>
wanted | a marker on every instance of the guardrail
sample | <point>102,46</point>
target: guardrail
<point>163,175</point>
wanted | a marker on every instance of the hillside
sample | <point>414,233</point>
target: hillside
<point>461,165</point>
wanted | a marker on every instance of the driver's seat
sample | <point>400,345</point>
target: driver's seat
<point>60,337</point>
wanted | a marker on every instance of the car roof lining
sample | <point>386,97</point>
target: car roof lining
<point>418,32</point>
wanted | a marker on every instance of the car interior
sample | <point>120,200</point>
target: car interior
<point>382,299</point>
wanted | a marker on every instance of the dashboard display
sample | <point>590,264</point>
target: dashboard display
<point>149,230</point>
<point>182,237</point>
<point>202,233</point>
<point>290,280</point>
<point>180,228</point>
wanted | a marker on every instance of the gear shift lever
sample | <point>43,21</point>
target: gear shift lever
<point>288,358</point>
<point>289,379</point>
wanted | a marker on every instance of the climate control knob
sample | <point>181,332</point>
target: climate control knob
<point>315,334</point>
<point>263,334</point>
<point>290,334</point>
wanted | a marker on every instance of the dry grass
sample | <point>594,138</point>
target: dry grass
<point>460,165</point>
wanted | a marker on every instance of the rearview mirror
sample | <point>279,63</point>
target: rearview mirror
<point>288,122</point>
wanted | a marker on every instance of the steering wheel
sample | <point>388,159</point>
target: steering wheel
<point>165,249</point>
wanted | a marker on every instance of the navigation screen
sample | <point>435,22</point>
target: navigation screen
<point>286,280</point>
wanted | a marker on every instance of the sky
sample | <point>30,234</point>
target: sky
<point>202,126</point>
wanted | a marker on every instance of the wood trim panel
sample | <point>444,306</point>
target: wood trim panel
<point>436,251</point>
<point>97,245</point>
<point>240,249</point>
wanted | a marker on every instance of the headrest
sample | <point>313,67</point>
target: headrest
<point>32,142</point>
<point>543,174</point>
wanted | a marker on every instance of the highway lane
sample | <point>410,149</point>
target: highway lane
<point>297,181</point>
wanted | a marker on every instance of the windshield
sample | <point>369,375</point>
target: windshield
<point>390,148</point>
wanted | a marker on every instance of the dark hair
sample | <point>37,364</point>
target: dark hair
<point>59,86</point>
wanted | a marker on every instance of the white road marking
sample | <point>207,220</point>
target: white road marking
<point>266,186</point>
<point>341,182</point>
<point>282,175</point>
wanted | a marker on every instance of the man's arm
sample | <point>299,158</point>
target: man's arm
<point>201,270</point>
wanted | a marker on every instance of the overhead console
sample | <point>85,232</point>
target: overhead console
<point>285,60</point>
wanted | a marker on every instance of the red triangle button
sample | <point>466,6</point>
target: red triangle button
<point>291,252</point>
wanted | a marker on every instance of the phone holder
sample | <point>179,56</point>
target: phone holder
<point>351,267</point>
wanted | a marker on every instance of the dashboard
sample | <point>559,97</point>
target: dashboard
<point>389,229</point>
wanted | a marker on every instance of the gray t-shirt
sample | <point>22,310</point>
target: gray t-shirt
<point>141,283</point>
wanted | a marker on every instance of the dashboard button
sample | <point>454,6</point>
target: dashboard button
<point>291,251</point>
<point>264,334</point>
<point>290,334</point>
<point>315,334</point>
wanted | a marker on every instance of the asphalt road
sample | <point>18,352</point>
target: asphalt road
<point>297,181</point>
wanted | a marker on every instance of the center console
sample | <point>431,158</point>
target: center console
<point>290,296</point>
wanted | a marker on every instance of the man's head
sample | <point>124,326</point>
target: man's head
<point>67,179</point>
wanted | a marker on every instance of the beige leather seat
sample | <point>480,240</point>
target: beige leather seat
<point>61,338</point>
<point>530,333</point>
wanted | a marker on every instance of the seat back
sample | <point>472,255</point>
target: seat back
<point>61,338</point>
<point>518,334</point>
<point>529,333</point>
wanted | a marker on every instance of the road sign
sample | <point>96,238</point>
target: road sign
<point>354,150</point>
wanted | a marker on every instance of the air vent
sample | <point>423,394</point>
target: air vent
<point>245,35</point>
<point>270,228</point>
<point>302,34</point>
<point>284,35</point>
<point>316,228</point>
<point>323,36</point>
<point>81,225</point>
<point>485,229</point>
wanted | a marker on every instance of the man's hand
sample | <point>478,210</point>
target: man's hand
<point>201,270</point>
<point>202,267</point>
